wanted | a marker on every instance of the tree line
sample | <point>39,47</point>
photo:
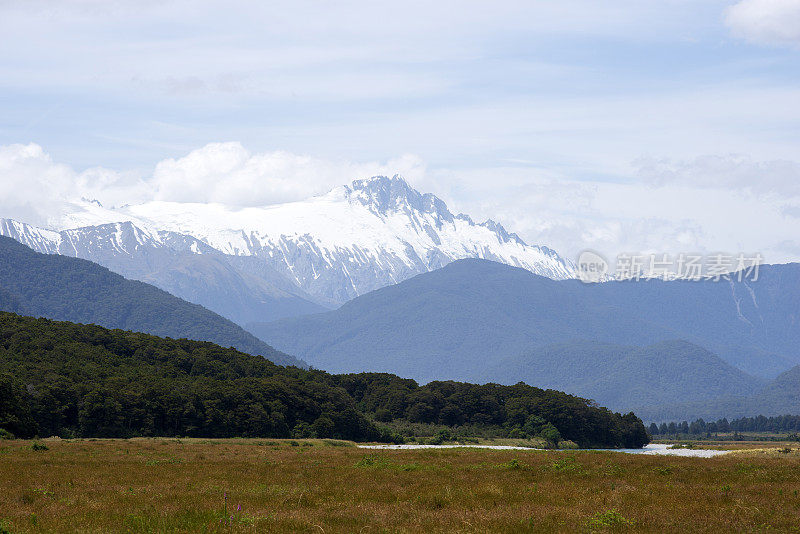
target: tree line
<point>781,423</point>
<point>73,380</point>
<point>520,410</point>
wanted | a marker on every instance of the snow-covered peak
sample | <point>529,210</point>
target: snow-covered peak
<point>385,195</point>
<point>88,212</point>
<point>356,238</point>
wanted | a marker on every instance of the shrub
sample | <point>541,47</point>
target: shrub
<point>5,434</point>
<point>516,433</point>
<point>338,443</point>
<point>609,518</point>
<point>39,446</point>
<point>322,427</point>
<point>441,437</point>
<point>387,435</point>
<point>567,463</point>
<point>663,470</point>
<point>550,435</point>
<point>303,430</point>
<point>512,464</point>
<point>372,461</point>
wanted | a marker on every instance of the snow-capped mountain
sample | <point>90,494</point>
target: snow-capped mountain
<point>329,248</point>
<point>242,289</point>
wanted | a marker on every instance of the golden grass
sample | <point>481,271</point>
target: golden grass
<point>160,485</point>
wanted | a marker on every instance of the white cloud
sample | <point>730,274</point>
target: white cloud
<point>230,174</point>
<point>766,21</point>
<point>31,182</point>
<point>779,178</point>
<point>692,213</point>
<point>705,204</point>
<point>37,189</point>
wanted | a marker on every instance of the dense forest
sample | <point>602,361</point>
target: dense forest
<point>72,380</point>
<point>781,423</point>
<point>521,409</point>
<point>72,289</point>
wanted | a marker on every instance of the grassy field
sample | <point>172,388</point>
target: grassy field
<point>160,485</point>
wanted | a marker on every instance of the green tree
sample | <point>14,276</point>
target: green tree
<point>323,427</point>
<point>15,412</point>
<point>551,435</point>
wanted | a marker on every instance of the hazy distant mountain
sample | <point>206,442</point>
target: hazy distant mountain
<point>461,320</point>
<point>779,397</point>
<point>451,323</point>
<point>628,378</point>
<point>329,249</point>
<point>11,303</point>
<point>71,289</point>
<point>753,325</point>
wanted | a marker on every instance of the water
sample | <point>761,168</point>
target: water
<point>417,446</point>
<point>652,449</point>
<point>664,450</point>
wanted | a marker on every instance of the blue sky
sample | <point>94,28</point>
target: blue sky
<point>652,126</point>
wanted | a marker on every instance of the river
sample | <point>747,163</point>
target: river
<point>652,449</point>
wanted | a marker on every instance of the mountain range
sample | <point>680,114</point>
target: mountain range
<point>626,344</point>
<point>241,289</point>
<point>72,289</point>
<point>779,397</point>
<point>640,379</point>
<point>376,276</point>
<point>263,263</point>
<point>457,321</point>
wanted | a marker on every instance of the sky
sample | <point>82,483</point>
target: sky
<point>634,126</point>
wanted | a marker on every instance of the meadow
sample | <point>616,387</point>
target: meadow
<point>324,486</point>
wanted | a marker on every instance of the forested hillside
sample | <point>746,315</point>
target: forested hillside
<point>628,378</point>
<point>85,380</point>
<point>71,289</point>
<point>66,379</point>
<point>521,409</point>
<point>451,324</point>
<point>10,303</point>
<point>467,317</point>
<point>778,397</point>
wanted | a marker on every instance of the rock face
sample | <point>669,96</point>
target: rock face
<point>260,264</point>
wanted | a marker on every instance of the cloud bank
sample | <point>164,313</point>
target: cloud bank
<point>230,174</point>
<point>775,22</point>
<point>38,190</point>
<point>707,203</point>
<point>779,178</point>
